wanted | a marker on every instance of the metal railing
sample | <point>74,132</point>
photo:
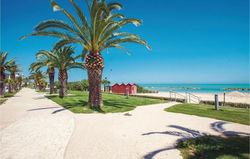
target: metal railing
<point>175,95</point>
<point>188,97</point>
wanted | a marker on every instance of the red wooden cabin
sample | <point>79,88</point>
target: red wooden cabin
<point>121,88</point>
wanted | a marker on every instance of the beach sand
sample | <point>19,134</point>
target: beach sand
<point>233,97</point>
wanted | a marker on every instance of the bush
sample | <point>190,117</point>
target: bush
<point>209,146</point>
<point>79,85</point>
<point>140,89</point>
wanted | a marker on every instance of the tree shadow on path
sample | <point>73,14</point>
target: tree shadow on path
<point>218,127</point>
<point>185,133</point>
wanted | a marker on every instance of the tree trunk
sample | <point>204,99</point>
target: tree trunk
<point>12,87</point>
<point>94,64</point>
<point>51,72</point>
<point>95,92</point>
<point>63,77</point>
<point>2,86</point>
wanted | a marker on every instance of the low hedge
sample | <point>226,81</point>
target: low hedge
<point>237,105</point>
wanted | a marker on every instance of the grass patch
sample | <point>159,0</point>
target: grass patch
<point>2,101</point>
<point>78,103</point>
<point>238,115</point>
<point>8,95</point>
<point>42,91</point>
<point>215,147</point>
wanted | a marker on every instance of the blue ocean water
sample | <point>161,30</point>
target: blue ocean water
<point>195,88</point>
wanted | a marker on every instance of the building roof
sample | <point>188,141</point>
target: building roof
<point>123,84</point>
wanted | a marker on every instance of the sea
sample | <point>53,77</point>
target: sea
<point>197,88</point>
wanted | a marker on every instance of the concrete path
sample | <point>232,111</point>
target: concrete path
<point>35,127</point>
<point>149,133</point>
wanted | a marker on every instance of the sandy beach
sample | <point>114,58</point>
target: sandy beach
<point>233,97</point>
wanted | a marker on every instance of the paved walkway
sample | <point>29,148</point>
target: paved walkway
<point>35,127</point>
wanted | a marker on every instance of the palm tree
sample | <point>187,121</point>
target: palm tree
<point>20,80</point>
<point>37,76</point>
<point>98,33</point>
<point>26,80</point>
<point>9,82</point>
<point>63,60</point>
<point>13,69</point>
<point>45,61</point>
<point>4,64</point>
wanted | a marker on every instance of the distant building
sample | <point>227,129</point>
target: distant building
<point>121,88</point>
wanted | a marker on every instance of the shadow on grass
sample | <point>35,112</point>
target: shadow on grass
<point>116,103</point>
<point>186,133</point>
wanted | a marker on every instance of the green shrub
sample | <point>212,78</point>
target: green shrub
<point>140,89</point>
<point>210,147</point>
<point>79,85</point>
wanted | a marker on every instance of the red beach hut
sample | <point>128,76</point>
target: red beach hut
<point>121,88</point>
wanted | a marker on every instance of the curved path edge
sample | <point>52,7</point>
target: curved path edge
<point>42,131</point>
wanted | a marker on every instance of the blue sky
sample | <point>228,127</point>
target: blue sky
<point>192,41</point>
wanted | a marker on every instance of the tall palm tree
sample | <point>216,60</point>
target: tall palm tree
<point>9,82</point>
<point>63,60</point>
<point>45,61</point>
<point>37,76</point>
<point>26,80</point>
<point>20,80</point>
<point>13,69</point>
<point>4,64</point>
<point>98,33</point>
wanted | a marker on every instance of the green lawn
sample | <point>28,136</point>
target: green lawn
<point>238,115</point>
<point>8,95</point>
<point>112,102</point>
<point>2,101</point>
<point>215,147</point>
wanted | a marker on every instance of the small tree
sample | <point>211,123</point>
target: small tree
<point>42,84</point>
<point>9,82</point>
<point>37,77</point>
<point>4,64</point>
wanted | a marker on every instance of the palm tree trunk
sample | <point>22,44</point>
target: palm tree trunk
<point>94,63</point>
<point>51,72</point>
<point>10,88</point>
<point>63,77</point>
<point>13,77</point>
<point>2,87</point>
<point>95,92</point>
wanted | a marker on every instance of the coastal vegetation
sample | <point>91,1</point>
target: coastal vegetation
<point>13,82</point>
<point>140,89</point>
<point>9,95</point>
<point>77,102</point>
<point>94,34</point>
<point>238,115</point>
<point>2,101</point>
<point>62,59</point>
<point>38,76</point>
<point>44,61</point>
<point>4,65</point>
<point>13,69</point>
<point>210,147</point>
